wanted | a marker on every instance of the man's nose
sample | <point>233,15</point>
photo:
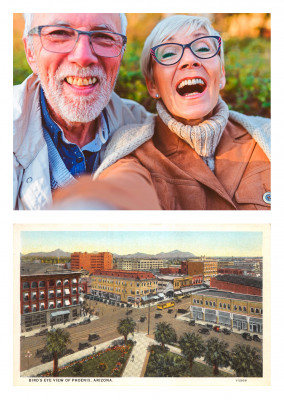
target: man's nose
<point>189,60</point>
<point>83,54</point>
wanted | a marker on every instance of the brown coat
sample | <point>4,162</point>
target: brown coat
<point>183,181</point>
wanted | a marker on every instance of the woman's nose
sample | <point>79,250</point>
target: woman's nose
<point>189,60</point>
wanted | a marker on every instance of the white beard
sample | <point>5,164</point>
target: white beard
<point>76,108</point>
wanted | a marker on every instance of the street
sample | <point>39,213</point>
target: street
<point>106,327</point>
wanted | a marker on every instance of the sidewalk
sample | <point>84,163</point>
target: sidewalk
<point>67,359</point>
<point>137,357</point>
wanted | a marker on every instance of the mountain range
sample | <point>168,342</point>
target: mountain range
<point>169,255</point>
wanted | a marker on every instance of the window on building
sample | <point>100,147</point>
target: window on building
<point>240,308</point>
<point>220,305</point>
<point>257,310</point>
<point>194,301</point>
<point>235,308</point>
<point>206,303</point>
<point>252,310</point>
<point>26,285</point>
<point>34,285</point>
<point>244,309</point>
<point>225,305</point>
<point>41,284</point>
<point>26,296</point>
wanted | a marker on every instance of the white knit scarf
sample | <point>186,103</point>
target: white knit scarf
<point>203,138</point>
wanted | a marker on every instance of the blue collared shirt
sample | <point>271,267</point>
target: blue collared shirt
<point>77,160</point>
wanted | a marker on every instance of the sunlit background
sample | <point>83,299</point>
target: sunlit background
<point>247,59</point>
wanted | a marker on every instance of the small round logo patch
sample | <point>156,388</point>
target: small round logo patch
<point>267,198</point>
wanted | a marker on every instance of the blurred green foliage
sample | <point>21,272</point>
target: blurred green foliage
<point>247,64</point>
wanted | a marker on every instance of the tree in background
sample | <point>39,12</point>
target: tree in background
<point>125,327</point>
<point>217,355</point>
<point>56,343</point>
<point>165,334</point>
<point>192,347</point>
<point>246,361</point>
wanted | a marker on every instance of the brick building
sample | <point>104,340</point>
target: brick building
<point>91,262</point>
<point>230,271</point>
<point>49,298</point>
<point>238,284</point>
<point>207,268</point>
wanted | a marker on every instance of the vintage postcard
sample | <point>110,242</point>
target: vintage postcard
<point>124,304</point>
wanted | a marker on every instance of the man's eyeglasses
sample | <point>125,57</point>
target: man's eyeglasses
<point>61,39</point>
<point>170,53</point>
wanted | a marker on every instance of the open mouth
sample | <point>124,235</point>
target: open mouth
<point>189,87</point>
<point>77,81</point>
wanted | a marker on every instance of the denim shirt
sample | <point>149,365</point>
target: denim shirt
<point>77,160</point>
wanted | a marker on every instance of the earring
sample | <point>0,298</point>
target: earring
<point>220,85</point>
<point>157,96</point>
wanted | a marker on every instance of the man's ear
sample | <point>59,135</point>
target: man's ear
<point>151,86</point>
<point>222,78</point>
<point>30,55</point>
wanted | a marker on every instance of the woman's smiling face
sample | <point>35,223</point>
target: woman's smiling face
<point>190,88</point>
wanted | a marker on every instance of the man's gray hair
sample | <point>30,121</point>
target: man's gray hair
<point>29,20</point>
<point>167,28</point>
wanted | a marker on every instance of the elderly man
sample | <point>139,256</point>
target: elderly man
<point>65,112</point>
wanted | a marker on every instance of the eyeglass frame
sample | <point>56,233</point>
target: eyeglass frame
<point>37,31</point>
<point>184,46</point>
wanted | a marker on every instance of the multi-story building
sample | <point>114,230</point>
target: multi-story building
<point>91,262</point>
<point>124,286</point>
<point>238,284</point>
<point>128,264</point>
<point>230,271</point>
<point>235,310</point>
<point>207,268</point>
<point>171,285</point>
<point>49,298</point>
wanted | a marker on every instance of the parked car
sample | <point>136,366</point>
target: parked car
<point>40,352</point>
<point>170,311</point>
<point>209,326</point>
<point>143,318</point>
<point>256,338</point>
<point>46,357</point>
<point>122,305</point>
<point>204,331</point>
<point>158,315</point>
<point>43,332</point>
<point>93,336</point>
<point>178,301</point>
<point>84,345</point>
<point>68,352</point>
<point>85,321</point>
<point>247,336</point>
<point>192,322</point>
<point>128,312</point>
<point>226,331</point>
<point>182,310</point>
<point>72,325</point>
<point>216,328</point>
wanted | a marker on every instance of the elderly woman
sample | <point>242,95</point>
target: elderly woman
<point>195,154</point>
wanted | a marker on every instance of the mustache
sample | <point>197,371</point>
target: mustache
<point>84,72</point>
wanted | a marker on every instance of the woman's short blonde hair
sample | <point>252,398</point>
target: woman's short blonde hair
<point>169,27</point>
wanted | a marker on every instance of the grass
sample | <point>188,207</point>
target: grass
<point>107,363</point>
<point>179,367</point>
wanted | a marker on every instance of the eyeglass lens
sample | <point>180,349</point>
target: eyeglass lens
<point>63,40</point>
<point>202,48</point>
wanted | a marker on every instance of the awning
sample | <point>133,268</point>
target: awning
<point>56,313</point>
<point>66,291</point>
<point>160,295</point>
<point>178,292</point>
<point>67,302</point>
<point>156,298</point>
<point>186,290</point>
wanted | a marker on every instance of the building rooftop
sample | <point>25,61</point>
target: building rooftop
<point>125,274</point>
<point>241,280</point>
<point>28,269</point>
<point>230,295</point>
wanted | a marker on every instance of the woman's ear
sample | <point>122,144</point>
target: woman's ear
<point>222,78</point>
<point>30,55</point>
<point>152,89</point>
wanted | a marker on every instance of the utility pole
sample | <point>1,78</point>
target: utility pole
<point>149,319</point>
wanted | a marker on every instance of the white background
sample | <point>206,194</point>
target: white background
<point>275,217</point>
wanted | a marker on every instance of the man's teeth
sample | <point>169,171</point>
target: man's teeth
<point>81,81</point>
<point>190,82</point>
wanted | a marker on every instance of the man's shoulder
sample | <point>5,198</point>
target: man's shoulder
<point>125,111</point>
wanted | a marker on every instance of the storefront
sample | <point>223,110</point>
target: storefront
<point>255,325</point>
<point>240,322</point>
<point>59,317</point>
<point>210,315</point>
<point>197,313</point>
<point>224,318</point>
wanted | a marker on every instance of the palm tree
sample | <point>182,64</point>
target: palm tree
<point>216,354</point>
<point>125,327</point>
<point>56,343</point>
<point>166,365</point>
<point>192,347</point>
<point>165,334</point>
<point>246,361</point>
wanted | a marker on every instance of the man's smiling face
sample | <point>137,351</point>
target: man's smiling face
<point>77,85</point>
